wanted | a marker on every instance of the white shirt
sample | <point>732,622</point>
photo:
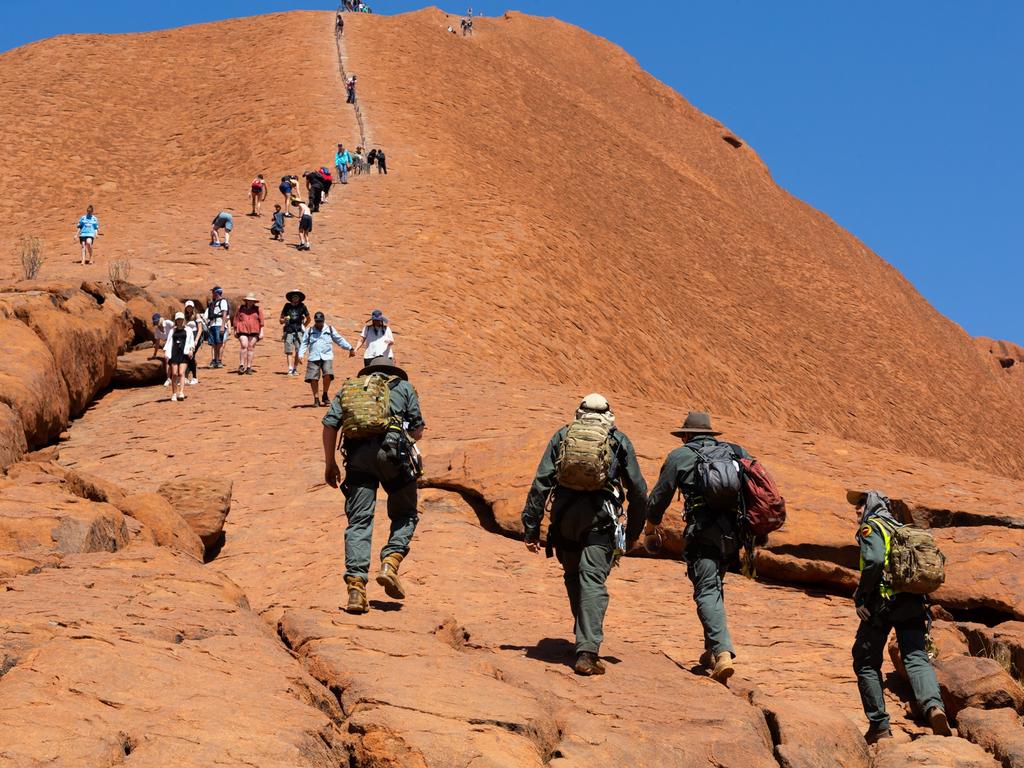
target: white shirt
<point>195,325</point>
<point>378,341</point>
<point>160,331</point>
<point>220,307</point>
<point>190,343</point>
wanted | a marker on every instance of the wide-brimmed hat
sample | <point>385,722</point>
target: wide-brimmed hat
<point>384,365</point>
<point>595,403</point>
<point>697,423</point>
<point>378,315</point>
<point>856,498</point>
<point>295,292</point>
<point>250,296</point>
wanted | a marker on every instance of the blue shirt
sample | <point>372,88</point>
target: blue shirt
<point>320,343</point>
<point>342,158</point>
<point>88,226</point>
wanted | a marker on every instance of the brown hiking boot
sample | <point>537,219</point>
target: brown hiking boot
<point>723,668</point>
<point>707,659</point>
<point>357,602</point>
<point>588,664</point>
<point>388,576</point>
<point>875,735</point>
<point>938,722</point>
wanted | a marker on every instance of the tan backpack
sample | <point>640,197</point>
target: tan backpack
<point>585,456</point>
<point>365,406</point>
<point>915,564</point>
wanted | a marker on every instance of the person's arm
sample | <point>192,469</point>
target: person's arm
<point>340,340</point>
<point>872,555</point>
<point>543,483</point>
<point>668,482</point>
<point>362,339</point>
<point>332,423</point>
<point>168,345</point>
<point>259,314</point>
<point>636,489</point>
<point>411,412</point>
<point>304,345</point>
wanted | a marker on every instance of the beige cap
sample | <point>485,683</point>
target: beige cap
<point>190,303</point>
<point>595,403</point>
<point>251,296</point>
<point>179,315</point>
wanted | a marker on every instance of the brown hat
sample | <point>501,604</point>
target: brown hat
<point>697,423</point>
<point>856,497</point>
<point>384,365</point>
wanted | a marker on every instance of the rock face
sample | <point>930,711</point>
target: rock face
<point>168,527</point>
<point>1003,642</point>
<point>808,737</point>
<point>1000,731</point>
<point>204,503</point>
<point>933,752</point>
<point>139,369</point>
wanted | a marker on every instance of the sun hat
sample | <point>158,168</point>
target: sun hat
<point>190,303</point>
<point>594,403</point>
<point>179,315</point>
<point>378,315</point>
<point>384,365</point>
<point>294,291</point>
<point>697,423</point>
<point>250,296</point>
<point>856,498</point>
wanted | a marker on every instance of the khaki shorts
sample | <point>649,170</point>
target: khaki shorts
<point>292,342</point>
<point>315,367</point>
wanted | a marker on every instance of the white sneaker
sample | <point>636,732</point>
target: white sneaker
<point>193,382</point>
<point>174,398</point>
<point>291,371</point>
<point>167,383</point>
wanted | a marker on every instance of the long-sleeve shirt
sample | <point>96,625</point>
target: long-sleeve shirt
<point>545,482</point>
<point>679,473</point>
<point>319,342</point>
<point>343,158</point>
<point>872,559</point>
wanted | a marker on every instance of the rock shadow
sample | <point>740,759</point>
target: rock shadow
<point>550,650</point>
<point>385,605</point>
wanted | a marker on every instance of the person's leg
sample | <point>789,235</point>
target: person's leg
<point>708,593</point>
<point>569,557</point>
<point>360,499</point>
<point>251,354</point>
<point>252,199</point>
<point>594,565</point>
<point>88,248</point>
<point>328,378</point>
<point>243,348</point>
<point>313,377</point>
<point>403,514</point>
<point>227,236</point>
<point>911,637</point>
<point>214,240</point>
<point>179,375</point>
<point>868,648</point>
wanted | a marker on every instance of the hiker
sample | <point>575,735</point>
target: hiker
<point>328,180</point>
<point>319,340</point>
<point>161,328</point>
<point>305,224</point>
<point>376,336</point>
<point>379,449</point>
<point>339,23</point>
<point>467,25</point>
<point>371,158</point>
<point>258,193</point>
<point>712,529</point>
<point>358,162</point>
<point>221,221</point>
<point>217,313</point>
<point>881,608</point>
<point>342,160</point>
<point>382,162</point>
<point>587,471</point>
<point>315,189</point>
<point>88,229</point>
<point>350,88</point>
<point>194,322</point>
<point>294,318</point>
<point>180,344</point>
<point>277,227</point>
<point>287,188</point>
<point>248,327</point>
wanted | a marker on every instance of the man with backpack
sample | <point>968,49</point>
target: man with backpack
<point>378,414</point>
<point>892,594</point>
<point>294,318</point>
<point>707,473</point>
<point>319,340</point>
<point>586,473</point>
<point>217,316</point>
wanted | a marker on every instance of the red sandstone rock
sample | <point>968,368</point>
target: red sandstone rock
<point>933,752</point>
<point>168,527</point>
<point>34,518</point>
<point>1000,731</point>
<point>139,368</point>
<point>204,503</point>
<point>1003,642</point>
<point>808,736</point>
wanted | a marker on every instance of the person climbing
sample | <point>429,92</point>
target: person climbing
<point>881,608</point>
<point>382,162</point>
<point>588,470</point>
<point>277,227</point>
<point>328,181</point>
<point>258,193</point>
<point>339,23</point>
<point>342,160</point>
<point>248,327</point>
<point>378,413</point>
<point>194,322</point>
<point>350,88</point>
<point>217,314</point>
<point>376,336</point>
<point>221,221</point>
<point>294,318</point>
<point>88,231</point>
<point>179,345</point>
<point>305,224</point>
<point>319,340</point>
<point>315,189</point>
<point>712,531</point>
<point>287,187</point>
<point>371,158</point>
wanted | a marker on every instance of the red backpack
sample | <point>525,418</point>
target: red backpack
<point>764,509</point>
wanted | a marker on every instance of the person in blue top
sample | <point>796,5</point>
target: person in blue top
<point>319,340</point>
<point>88,229</point>
<point>342,161</point>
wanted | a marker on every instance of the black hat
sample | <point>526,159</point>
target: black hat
<point>295,292</point>
<point>384,365</point>
<point>697,423</point>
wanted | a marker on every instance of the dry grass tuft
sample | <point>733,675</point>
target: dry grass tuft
<point>31,252</point>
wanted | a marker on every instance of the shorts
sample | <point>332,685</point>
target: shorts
<point>292,342</point>
<point>315,367</point>
<point>285,189</point>
<point>276,231</point>
<point>306,223</point>
<point>86,239</point>
<point>215,334</point>
<point>223,223</point>
<point>249,335</point>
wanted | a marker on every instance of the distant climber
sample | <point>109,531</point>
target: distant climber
<point>88,231</point>
<point>382,162</point>
<point>258,193</point>
<point>287,189</point>
<point>378,414</point>
<point>711,514</point>
<point>339,23</point>
<point>194,322</point>
<point>305,224</point>
<point>588,470</point>
<point>277,223</point>
<point>881,608</point>
<point>377,338</point>
<point>342,161</point>
<point>222,221</point>
<point>294,319</point>
<point>467,25</point>
<point>217,315</point>
<point>318,342</point>
<point>350,89</point>
<point>314,189</point>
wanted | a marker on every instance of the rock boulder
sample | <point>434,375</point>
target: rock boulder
<point>204,503</point>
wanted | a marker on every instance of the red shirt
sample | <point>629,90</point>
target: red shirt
<point>248,319</point>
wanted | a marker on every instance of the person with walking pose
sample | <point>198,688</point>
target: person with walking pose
<point>88,230</point>
<point>179,346</point>
<point>248,326</point>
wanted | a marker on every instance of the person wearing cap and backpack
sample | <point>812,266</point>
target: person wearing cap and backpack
<point>217,315</point>
<point>707,473</point>
<point>899,566</point>
<point>379,418</point>
<point>588,470</point>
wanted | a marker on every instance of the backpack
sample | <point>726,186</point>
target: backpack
<point>584,460</point>
<point>915,564</point>
<point>718,477</point>
<point>764,509</point>
<point>213,310</point>
<point>257,185</point>
<point>365,406</point>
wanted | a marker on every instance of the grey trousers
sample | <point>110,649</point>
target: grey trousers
<point>868,651</point>
<point>360,489</point>
<point>709,593</point>
<point>586,571</point>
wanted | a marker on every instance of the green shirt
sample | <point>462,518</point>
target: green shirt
<point>872,562</point>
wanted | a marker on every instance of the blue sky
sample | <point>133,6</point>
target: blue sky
<point>902,120</point>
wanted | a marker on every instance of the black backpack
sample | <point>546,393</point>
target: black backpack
<point>718,478</point>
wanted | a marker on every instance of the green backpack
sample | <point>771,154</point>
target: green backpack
<point>916,564</point>
<point>585,456</point>
<point>365,406</point>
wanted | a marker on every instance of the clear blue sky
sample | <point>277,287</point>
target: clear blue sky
<point>903,119</point>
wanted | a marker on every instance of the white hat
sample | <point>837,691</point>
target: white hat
<point>190,303</point>
<point>595,403</point>
<point>179,315</point>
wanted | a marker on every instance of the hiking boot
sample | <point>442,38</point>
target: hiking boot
<point>357,602</point>
<point>388,576</point>
<point>707,659</point>
<point>875,735</point>
<point>588,664</point>
<point>938,723</point>
<point>316,400</point>
<point>325,400</point>
<point>723,668</point>
<point>241,370</point>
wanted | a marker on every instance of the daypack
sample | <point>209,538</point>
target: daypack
<point>764,509</point>
<point>718,477</point>
<point>365,406</point>
<point>916,564</point>
<point>257,185</point>
<point>585,457</point>
<point>214,309</point>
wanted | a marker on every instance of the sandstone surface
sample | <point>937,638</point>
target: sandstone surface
<point>139,368</point>
<point>1000,731</point>
<point>203,502</point>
